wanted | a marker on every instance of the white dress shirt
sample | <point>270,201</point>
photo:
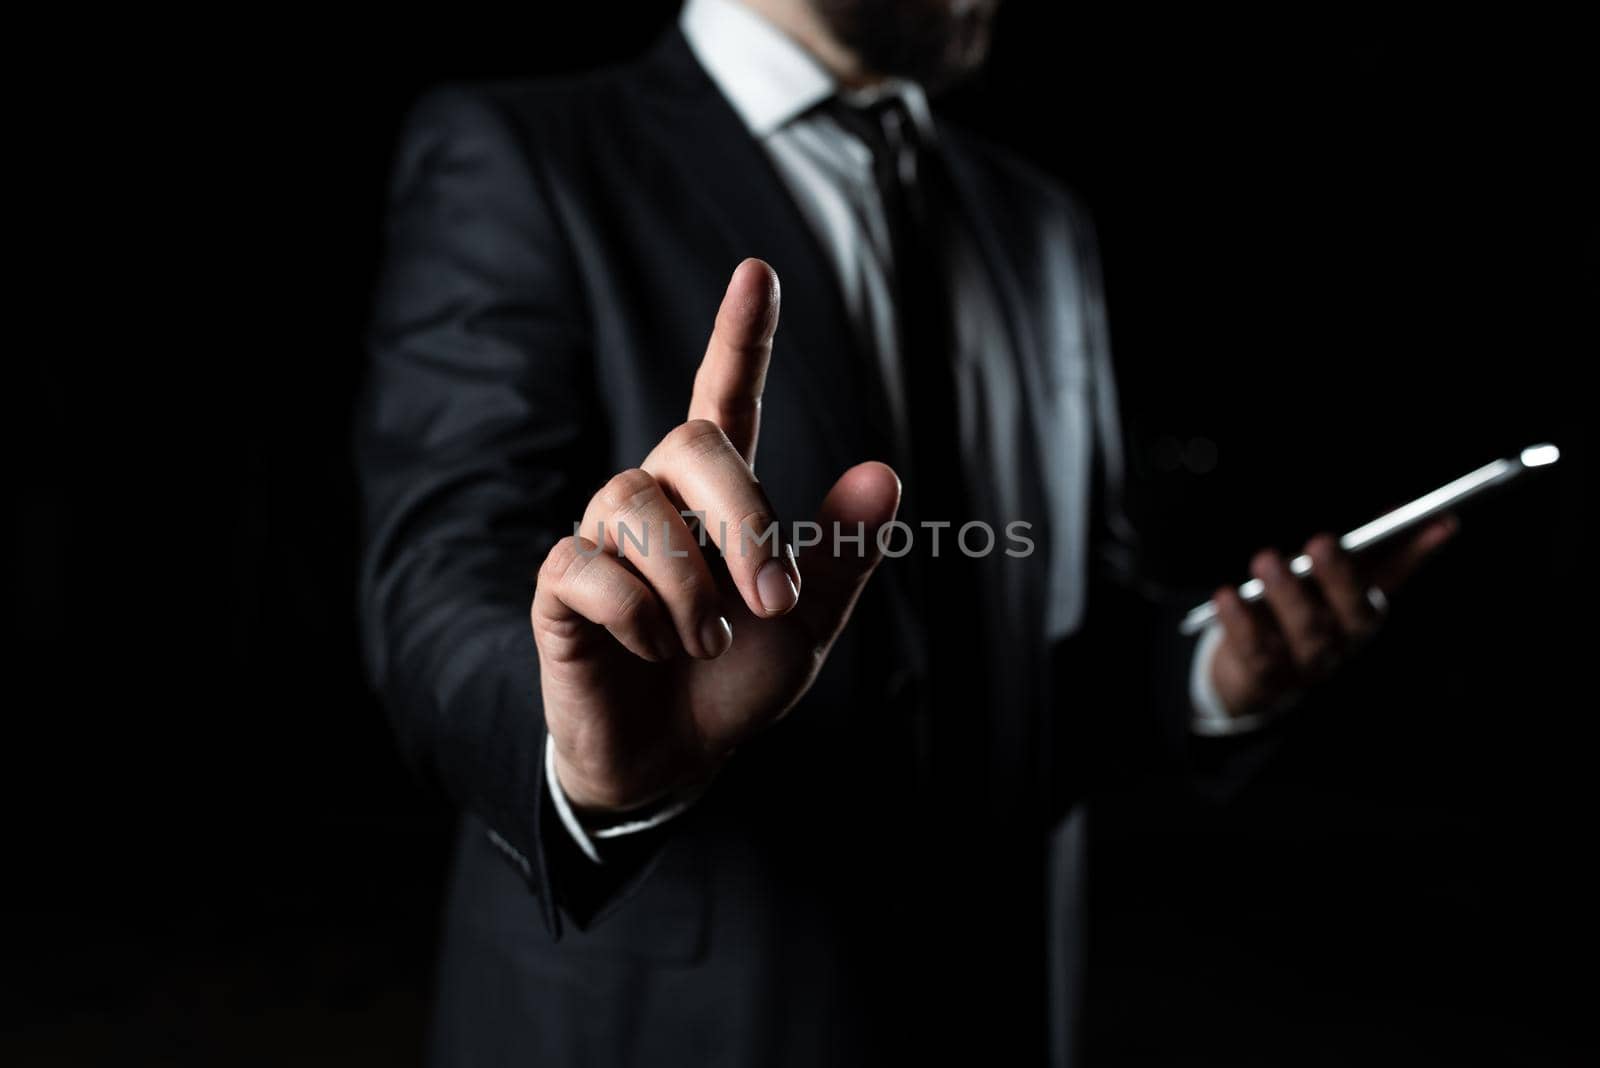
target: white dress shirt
<point>773,83</point>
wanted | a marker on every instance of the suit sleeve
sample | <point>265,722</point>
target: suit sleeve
<point>476,431</point>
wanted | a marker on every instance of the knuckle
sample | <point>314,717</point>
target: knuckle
<point>569,560</point>
<point>751,528</point>
<point>632,603</point>
<point>554,635</point>
<point>628,491</point>
<point>559,559</point>
<point>697,438</point>
<point>690,585</point>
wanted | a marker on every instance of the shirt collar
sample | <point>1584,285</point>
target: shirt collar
<point>766,75</point>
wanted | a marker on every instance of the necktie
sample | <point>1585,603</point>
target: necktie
<point>917,210</point>
<point>959,762</point>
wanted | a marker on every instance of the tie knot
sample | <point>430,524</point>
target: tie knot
<point>886,126</point>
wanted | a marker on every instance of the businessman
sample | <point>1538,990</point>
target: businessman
<point>737,789</point>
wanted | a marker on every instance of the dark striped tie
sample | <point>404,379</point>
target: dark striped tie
<point>913,188</point>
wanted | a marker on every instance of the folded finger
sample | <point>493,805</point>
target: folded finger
<point>580,588</point>
<point>1303,616</point>
<point>633,517</point>
<point>1335,574</point>
<point>1249,633</point>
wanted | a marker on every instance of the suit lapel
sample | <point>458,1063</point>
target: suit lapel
<point>1011,292</point>
<point>1017,724</point>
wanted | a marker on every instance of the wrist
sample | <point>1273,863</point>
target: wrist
<point>587,802</point>
<point>602,807</point>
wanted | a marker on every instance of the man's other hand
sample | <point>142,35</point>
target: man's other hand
<point>1303,629</point>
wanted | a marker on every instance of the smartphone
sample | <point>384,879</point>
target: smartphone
<point>1401,520</point>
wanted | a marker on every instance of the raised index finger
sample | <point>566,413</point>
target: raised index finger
<point>728,385</point>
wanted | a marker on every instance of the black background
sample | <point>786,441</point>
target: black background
<point>1348,257</point>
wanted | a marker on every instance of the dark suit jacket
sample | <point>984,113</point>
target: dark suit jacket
<point>555,256</point>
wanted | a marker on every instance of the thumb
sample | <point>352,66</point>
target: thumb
<point>834,571</point>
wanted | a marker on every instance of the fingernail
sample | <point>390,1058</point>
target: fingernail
<point>715,636</point>
<point>775,587</point>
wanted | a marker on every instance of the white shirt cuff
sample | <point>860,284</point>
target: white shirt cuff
<point>1211,717</point>
<point>587,837</point>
